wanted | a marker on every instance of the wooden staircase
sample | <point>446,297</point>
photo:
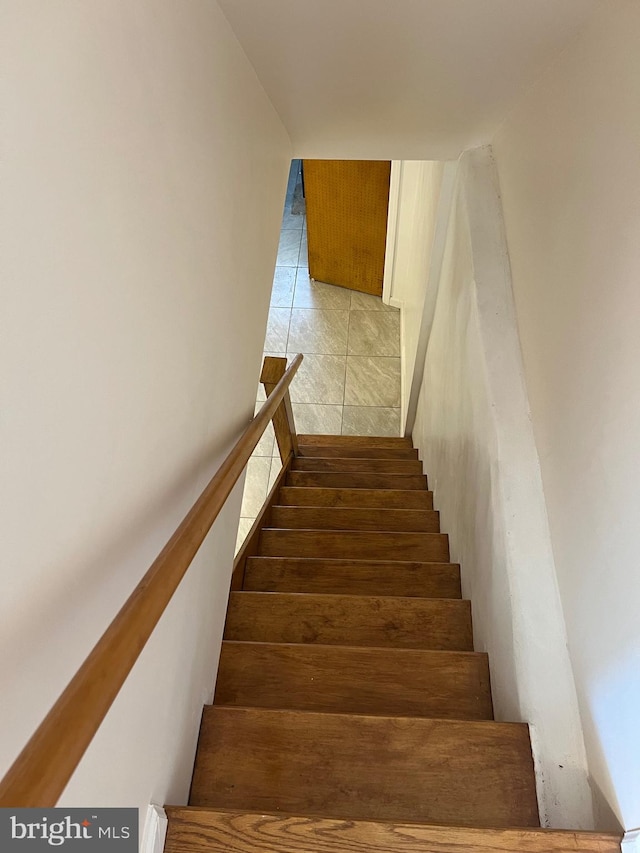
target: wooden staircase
<point>351,712</point>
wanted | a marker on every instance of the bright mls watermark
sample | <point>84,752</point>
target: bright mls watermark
<point>74,830</point>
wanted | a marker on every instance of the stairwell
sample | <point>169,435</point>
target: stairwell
<point>351,712</point>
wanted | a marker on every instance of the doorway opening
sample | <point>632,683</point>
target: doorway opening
<point>349,381</point>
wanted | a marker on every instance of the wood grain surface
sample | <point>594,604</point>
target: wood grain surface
<point>352,680</point>
<point>356,545</point>
<point>353,577</point>
<point>327,451</point>
<point>366,767</point>
<point>353,518</point>
<point>354,440</point>
<point>410,623</point>
<point>273,369</point>
<point>346,205</point>
<point>380,466</point>
<point>192,830</point>
<point>361,480</point>
<point>383,498</point>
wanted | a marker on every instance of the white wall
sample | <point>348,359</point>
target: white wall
<point>569,165</point>
<point>474,435</point>
<point>143,176</point>
<point>418,183</point>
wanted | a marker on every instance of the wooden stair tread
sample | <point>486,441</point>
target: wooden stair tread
<point>356,680</point>
<point>383,498</point>
<point>351,713</point>
<point>354,518</point>
<point>356,480</point>
<point>366,767</point>
<point>418,623</point>
<point>378,466</point>
<point>375,545</point>
<point>327,451</point>
<point>355,440</point>
<point>353,577</point>
<point>192,829</point>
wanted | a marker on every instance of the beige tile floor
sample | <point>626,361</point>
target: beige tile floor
<point>349,381</point>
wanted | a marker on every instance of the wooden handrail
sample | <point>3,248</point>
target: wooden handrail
<point>41,772</point>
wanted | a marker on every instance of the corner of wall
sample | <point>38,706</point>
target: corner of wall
<point>474,433</point>
<point>538,618</point>
<point>631,841</point>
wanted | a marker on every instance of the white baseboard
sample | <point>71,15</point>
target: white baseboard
<point>395,303</point>
<point>631,841</point>
<point>155,830</point>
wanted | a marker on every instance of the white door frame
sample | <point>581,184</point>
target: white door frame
<point>392,230</point>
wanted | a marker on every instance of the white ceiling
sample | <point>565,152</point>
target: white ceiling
<point>399,79</point>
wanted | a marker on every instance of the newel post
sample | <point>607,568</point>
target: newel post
<point>273,370</point>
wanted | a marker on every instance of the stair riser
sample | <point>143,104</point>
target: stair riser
<point>424,547</point>
<point>355,680</point>
<point>328,479</point>
<point>409,623</point>
<point>437,771</point>
<point>352,441</point>
<point>358,498</point>
<point>378,466</point>
<point>352,577</point>
<point>335,518</point>
<point>327,452</point>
